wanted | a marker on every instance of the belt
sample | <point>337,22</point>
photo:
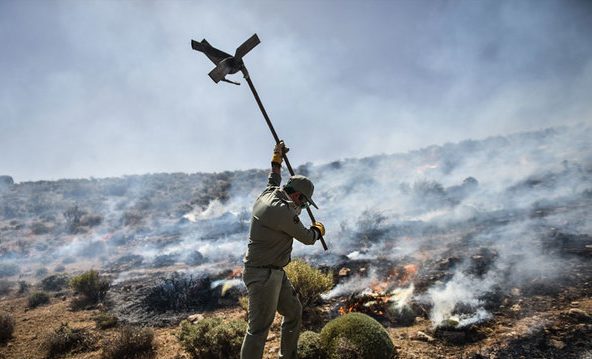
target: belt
<point>266,267</point>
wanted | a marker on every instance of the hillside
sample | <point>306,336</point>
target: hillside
<point>487,242</point>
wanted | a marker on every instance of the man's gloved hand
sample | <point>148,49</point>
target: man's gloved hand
<point>278,152</point>
<point>319,227</point>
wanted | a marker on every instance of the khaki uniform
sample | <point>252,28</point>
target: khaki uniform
<point>274,226</point>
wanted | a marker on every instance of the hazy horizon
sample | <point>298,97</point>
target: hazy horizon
<point>106,89</point>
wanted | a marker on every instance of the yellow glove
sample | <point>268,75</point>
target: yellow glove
<point>278,152</point>
<point>320,227</point>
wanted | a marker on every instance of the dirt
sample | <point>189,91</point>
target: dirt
<point>542,327</point>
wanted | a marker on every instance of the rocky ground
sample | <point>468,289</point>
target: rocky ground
<point>532,322</point>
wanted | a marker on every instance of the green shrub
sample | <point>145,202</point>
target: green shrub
<point>361,334</point>
<point>345,349</point>
<point>38,298</point>
<point>105,320</point>
<point>6,326</point>
<point>54,283</point>
<point>130,343</point>
<point>213,338</point>
<point>66,340</point>
<point>309,346</point>
<point>90,285</point>
<point>309,282</point>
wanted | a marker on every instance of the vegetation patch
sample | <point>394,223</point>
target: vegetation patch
<point>309,346</point>
<point>213,338</point>
<point>308,281</point>
<point>105,320</point>
<point>65,340</point>
<point>37,298</point>
<point>5,286</point>
<point>91,286</point>
<point>358,334</point>
<point>130,343</point>
<point>6,326</point>
<point>54,283</point>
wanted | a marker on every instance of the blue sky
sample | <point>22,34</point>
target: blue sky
<point>108,88</point>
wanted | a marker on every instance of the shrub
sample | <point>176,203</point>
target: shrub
<point>309,282</point>
<point>5,286</point>
<point>130,342</point>
<point>105,320</point>
<point>66,340</point>
<point>213,338</point>
<point>23,287</point>
<point>345,349</point>
<point>55,282</point>
<point>38,298</point>
<point>309,346</point>
<point>6,327</point>
<point>361,333</point>
<point>90,285</point>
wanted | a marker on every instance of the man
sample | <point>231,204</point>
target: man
<point>274,226</point>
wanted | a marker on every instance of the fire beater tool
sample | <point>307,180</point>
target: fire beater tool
<point>228,65</point>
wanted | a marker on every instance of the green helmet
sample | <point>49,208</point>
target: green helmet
<point>303,185</point>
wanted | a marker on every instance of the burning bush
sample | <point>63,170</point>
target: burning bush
<point>130,342</point>
<point>54,282</point>
<point>309,282</point>
<point>37,298</point>
<point>67,340</point>
<point>362,334</point>
<point>6,327</point>
<point>90,285</point>
<point>105,320</point>
<point>213,338</point>
<point>309,346</point>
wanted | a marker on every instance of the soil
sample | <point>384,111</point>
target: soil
<point>541,327</point>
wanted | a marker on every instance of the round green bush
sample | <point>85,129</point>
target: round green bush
<point>308,281</point>
<point>213,338</point>
<point>359,333</point>
<point>309,346</point>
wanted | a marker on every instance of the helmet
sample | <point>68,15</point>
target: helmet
<point>303,185</point>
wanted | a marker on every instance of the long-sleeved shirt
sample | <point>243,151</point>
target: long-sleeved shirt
<point>274,225</point>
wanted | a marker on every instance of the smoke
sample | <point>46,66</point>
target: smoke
<point>499,204</point>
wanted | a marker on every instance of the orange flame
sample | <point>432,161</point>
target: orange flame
<point>237,272</point>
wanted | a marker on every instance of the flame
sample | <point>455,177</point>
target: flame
<point>379,287</point>
<point>237,272</point>
<point>410,271</point>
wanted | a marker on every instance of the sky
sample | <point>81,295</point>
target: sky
<point>111,88</point>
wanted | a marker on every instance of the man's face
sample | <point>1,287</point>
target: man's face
<point>298,199</point>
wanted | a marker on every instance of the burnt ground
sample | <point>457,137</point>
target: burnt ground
<point>542,326</point>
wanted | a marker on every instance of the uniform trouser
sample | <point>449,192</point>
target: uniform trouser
<point>270,290</point>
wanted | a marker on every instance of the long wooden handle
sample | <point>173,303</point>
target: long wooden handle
<point>277,140</point>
